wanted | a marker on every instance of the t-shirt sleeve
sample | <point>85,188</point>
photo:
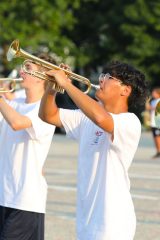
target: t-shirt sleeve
<point>71,121</point>
<point>39,128</point>
<point>125,127</point>
<point>127,132</point>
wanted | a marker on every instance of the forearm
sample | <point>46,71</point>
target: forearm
<point>48,110</point>
<point>91,108</point>
<point>13,118</point>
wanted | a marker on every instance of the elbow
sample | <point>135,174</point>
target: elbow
<point>16,126</point>
<point>99,120</point>
<point>43,117</point>
<point>105,122</point>
<point>51,117</point>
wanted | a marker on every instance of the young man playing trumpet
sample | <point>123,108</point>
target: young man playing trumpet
<point>24,144</point>
<point>108,136</point>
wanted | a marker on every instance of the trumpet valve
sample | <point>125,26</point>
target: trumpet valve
<point>57,88</point>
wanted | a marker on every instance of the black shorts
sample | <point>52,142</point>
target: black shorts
<point>155,131</point>
<point>21,225</point>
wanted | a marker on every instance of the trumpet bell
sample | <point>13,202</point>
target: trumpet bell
<point>157,115</point>
<point>11,82</point>
<point>13,50</point>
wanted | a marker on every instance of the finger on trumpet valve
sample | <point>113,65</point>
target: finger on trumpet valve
<point>61,90</point>
<point>57,88</point>
<point>54,85</point>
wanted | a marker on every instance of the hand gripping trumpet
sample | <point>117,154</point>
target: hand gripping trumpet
<point>15,51</point>
<point>11,82</point>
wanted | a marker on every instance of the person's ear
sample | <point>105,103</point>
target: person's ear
<point>126,90</point>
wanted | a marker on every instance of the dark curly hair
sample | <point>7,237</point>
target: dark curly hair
<point>130,77</point>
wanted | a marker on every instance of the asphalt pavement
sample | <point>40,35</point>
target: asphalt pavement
<point>61,172</point>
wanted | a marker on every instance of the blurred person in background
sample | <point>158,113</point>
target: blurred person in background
<point>24,145</point>
<point>150,106</point>
<point>108,137</point>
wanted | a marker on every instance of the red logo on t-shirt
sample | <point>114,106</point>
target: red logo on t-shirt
<point>97,137</point>
<point>99,133</point>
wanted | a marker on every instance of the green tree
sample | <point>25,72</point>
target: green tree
<point>119,29</point>
<point>88,33</point>
<point>143,31</point>
<point>37,23</point>
<point>97,33</point>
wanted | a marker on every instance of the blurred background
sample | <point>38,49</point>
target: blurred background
<point>86,34</point>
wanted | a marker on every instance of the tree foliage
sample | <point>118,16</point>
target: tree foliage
<point>120,29</point>
<point>37,23</point>
<point>87,32</point>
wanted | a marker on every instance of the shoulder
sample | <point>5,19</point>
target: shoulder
<point>126,116</point>
<point>133,117</point>
<point>127,128</point>
<point>16,101</point>
<point>71,112</point>
<point>126,121</point>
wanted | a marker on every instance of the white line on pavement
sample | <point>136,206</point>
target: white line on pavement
<point>146,197</point>
<point>62,188</point>
<point>140,176</point>
<point>73,189</point>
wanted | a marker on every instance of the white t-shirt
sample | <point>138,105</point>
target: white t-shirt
<point>22,156</point>
<point>105,209</point>
<point>153,104</point>
<point>20,93</point>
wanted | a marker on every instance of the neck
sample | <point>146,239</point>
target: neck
<point>34,95</point>
<point>117,107</point>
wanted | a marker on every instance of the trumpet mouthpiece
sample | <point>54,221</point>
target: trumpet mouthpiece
<point>95,86</point>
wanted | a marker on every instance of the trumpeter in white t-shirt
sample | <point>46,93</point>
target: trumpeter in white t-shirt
<point>108,136</point>
<point>24,144</point>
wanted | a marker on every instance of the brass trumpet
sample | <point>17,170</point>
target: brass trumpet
<point>12,82</point>
<point>15,51</point>
<point>157,115</point>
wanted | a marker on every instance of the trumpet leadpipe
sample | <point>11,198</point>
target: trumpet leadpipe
<point>11,79</point>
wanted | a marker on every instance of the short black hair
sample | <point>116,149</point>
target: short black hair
<point>130,76</point>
